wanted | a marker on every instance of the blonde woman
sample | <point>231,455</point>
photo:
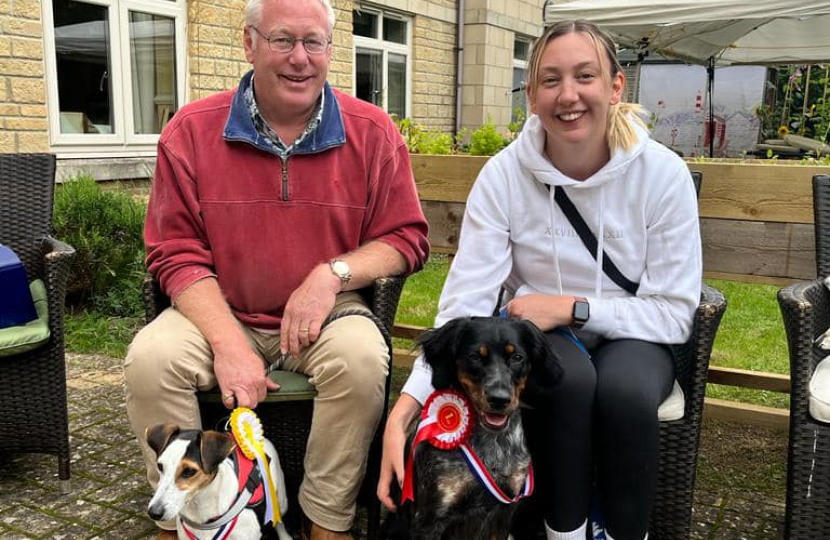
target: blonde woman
<point>638,200</point>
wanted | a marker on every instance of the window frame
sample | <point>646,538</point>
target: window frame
<point>519,63</point>
<point>377,43</point>
<point>123,141</point>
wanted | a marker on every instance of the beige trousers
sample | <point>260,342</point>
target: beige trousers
<point>169,361</point>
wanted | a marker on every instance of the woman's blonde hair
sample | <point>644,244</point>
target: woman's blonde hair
<point>619,132</point>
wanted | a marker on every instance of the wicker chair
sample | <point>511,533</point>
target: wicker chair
<point>671,517</point>
<point>679,440</point>
<point>805,308</point>
<point>286,416</point>
<point>33,411</point>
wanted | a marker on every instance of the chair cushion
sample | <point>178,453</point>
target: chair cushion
<point>820,392</point>
<point>293,386</point>
<point>674,406</point>
<point>29,336</point>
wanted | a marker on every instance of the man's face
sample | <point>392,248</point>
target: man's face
<point>288,82</point>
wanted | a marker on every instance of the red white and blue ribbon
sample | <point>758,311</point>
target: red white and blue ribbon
<point>222,534</point>
<point>480,471</point>
<point>447,421</point>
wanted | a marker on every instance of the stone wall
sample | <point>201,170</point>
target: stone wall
<point>216,59</point>
<point>23,126</point>
<point>491,27</point>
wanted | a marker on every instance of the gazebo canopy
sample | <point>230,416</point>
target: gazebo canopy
<point>728,31</point>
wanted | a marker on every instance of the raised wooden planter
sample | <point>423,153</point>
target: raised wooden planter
<point>756,220</point>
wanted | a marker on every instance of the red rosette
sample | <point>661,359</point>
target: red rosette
<point>452,415</point>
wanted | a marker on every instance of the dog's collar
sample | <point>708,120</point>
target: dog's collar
<point>250,488</point>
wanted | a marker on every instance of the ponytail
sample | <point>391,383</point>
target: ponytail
<point>621,119</point>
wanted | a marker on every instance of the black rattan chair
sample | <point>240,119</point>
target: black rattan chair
<point>805,308</point>
<point>671,517</point>
<point>286,416</point>
<point>33,410</point>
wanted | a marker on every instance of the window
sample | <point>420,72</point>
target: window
<point>115,72</point>
<point>382,60</point>
<point>518,103</point>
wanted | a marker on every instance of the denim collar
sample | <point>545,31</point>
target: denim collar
<point>329,133</point>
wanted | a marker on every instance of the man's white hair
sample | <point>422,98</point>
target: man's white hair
<point>253,11</point>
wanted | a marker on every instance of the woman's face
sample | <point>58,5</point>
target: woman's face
<point>572,95</point>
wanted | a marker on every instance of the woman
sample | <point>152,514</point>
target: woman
<point>638,199</point>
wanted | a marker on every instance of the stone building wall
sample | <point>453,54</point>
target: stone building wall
<point>23,126</point>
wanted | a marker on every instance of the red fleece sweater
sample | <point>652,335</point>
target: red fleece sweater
<point>231,210</point>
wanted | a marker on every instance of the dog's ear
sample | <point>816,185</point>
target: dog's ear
<point>158,436</point>
<point>440,347</point>
<point>215,447</point>
<point>545,371</point>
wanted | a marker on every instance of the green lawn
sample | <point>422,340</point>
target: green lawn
<point>751,335</point>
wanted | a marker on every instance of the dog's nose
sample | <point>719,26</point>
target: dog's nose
<point>156,512</point>
<point>499,401</point>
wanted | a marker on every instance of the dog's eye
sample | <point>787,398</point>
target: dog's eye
<point>517,359</point>
<point>474,357</point>
<point>161,467</point>
<point>187,472</point>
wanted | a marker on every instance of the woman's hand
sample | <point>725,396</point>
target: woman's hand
<point>545,311</point>
<point>394,439</point>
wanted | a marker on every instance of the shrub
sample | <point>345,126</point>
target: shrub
<point>421,141</point>
<point>105,227</point>
<point>486,141</point>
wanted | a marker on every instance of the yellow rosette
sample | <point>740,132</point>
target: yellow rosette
<point>247,430</point>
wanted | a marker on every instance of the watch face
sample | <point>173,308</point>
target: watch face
<point>581,311</point>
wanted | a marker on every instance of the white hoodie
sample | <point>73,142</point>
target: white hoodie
<point>641,206</point>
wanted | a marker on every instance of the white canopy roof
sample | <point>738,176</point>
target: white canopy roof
<point>731,31</point>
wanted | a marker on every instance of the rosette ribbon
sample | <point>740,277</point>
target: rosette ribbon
<point>446,423</point>
<point>247,430</point>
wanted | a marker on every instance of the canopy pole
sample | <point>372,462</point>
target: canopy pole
<point>710,75</point>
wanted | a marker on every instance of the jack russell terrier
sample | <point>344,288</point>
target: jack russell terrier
<point>210,487</point>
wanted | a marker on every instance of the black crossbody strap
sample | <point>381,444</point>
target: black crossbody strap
<point>590,240</point>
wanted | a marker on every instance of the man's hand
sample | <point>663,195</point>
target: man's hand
<point>394,439</point>
<point>546,312</point>
<point>240,374</point>
<point>307,308</point>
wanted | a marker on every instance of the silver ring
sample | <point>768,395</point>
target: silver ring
<point>226,397</point>
<point>304,330</point>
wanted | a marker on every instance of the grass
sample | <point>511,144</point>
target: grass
<point>751,335</point>
<point>90,332</point>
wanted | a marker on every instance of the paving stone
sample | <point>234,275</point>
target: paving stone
<point>33,521</point>
<point>92,515</point>
<point>6,534</point>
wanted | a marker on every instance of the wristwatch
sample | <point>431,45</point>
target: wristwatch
<point>340,268</point>
<point>581,312</point>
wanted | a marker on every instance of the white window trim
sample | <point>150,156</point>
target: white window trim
<point>521,64</point>
<point>124,142</point>
<point>386,47</point>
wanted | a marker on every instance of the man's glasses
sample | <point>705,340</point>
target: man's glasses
<point>285,44</point>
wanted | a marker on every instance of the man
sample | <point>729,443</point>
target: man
<point>270,206</point>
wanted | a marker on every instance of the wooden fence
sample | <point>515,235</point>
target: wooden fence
<point>756,226</point>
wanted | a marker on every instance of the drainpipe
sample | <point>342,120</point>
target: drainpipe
<point>459,76</point>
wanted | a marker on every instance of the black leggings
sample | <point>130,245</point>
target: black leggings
<point>603,414</point>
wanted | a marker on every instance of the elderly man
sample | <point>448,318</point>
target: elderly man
<point>270,206</point>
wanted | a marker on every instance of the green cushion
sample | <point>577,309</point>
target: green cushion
<point>293,386</point>
<point>29,336</point>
